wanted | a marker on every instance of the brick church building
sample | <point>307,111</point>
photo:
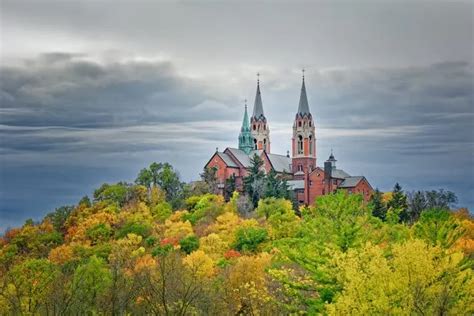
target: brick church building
<point>305,177</point>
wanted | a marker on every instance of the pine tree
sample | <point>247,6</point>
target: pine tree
<point>379,209</point>
<point>254,182</point>
<point>398,203</point>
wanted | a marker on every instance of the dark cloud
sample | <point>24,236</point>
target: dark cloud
<point>70,123</point>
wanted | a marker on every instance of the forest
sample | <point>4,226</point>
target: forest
<point>161,247</point>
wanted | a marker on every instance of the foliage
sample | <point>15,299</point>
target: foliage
<point>249,238</point>
<point>255,180</point>
<point>189,244</point>
<point>129,251</point>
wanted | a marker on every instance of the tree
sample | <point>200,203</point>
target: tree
<point>377,205</point>
<point>416,205</point>
<point>210,179</point>
<point>59,216</point>
<point>248,239</point>
<point>398,203</point>
<point>229,187</point>
<point>254,182</point>
<point>438,227</point>
<point>91,281</point>
<point>276,186</point>
<point>415,279</point>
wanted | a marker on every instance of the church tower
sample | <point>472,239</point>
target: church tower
<point>245,136</point>
<point>304,140</point>
<point>258,123</point>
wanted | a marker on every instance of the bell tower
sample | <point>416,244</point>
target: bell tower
<point>258,123</point>
<point>304,139</point>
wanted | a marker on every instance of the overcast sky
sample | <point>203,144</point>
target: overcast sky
<point>93,91</point>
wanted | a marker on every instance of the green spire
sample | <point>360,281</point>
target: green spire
<point>245,136</point>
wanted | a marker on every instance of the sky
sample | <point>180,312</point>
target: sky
<point>93,91</point>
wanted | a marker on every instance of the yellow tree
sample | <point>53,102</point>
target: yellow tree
<point>415,279</point>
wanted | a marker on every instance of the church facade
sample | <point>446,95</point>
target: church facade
<point>305,177</point>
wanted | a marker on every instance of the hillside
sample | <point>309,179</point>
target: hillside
<point>155,247</point>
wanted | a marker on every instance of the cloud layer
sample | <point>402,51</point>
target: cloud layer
<point>69,123</point>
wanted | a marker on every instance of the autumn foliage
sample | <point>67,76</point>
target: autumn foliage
<point>139,250</point>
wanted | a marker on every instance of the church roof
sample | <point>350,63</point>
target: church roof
<point>280,163</point>
<point>228,161</point>
<point>303,107</point>
<point>351,182</point>
<point>258,105</point>
<point>339,174</point>
<point>296,184</point>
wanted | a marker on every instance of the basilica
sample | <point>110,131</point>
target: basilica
<point>305,177</point>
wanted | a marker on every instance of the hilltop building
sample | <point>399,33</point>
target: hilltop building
<point>304,176</point>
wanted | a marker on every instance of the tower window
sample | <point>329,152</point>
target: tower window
<point>255,143</point>
<point>264,126</point>
<point>254,127</point>
<point>300,144</point>
<point>310,144</point>
<point>310,123</point>
<point>299,123</point>
<point>264,144</point>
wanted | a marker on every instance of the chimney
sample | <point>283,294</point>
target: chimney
<point>327,171</point>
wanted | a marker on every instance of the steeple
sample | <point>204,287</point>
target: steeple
<point>303,107</point>
<point>258,106</point>
<point>304,137</point>
<point>245,136</point>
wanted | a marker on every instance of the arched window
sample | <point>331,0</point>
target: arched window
<point>299,123</point>
<point>310,144</point>
<point>300,167</point>
<point>255,143</point>
<point>309,123</point>
<point>254,127</point>
<point>300,144</point>
<point>264,144</point>
<point>264,126</point>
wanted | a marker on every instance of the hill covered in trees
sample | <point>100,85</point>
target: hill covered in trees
<point>164,248</point>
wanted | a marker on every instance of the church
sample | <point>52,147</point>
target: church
<point>305,177</point>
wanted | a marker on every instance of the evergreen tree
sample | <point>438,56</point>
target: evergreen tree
<point>209,176</point>
<point>398,203</point>
<point>254,182</point>
<point>229,187</point>
<point>379,209</point>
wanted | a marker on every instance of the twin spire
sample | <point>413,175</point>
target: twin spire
<point>258,106</point>
<point>303,107</point>
<point>245,137</point>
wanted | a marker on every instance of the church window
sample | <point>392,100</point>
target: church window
<point>264,126</point>
<point>254,127</point>
<point>299,123</point>
<point>300,144</point>
<point>265,144</point>
<point>300,167</point>
<point>255,143</point>
<point>309,123</point>
<point>310,144</point>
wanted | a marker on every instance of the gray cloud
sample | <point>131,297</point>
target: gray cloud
<point>69,124</point>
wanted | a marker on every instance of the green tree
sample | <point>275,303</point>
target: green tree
<point>90,282</point>
<point>189,244</point>
<point>377,205</point>
<point>416,205</point>
<point>249,238</point>
<point>398,204</point>
<point>438,227</point>
<point>255,181</point>
<point>59,216</point>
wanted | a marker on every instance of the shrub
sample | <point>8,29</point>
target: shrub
<point>249,238</point>
<point>189,244</point>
